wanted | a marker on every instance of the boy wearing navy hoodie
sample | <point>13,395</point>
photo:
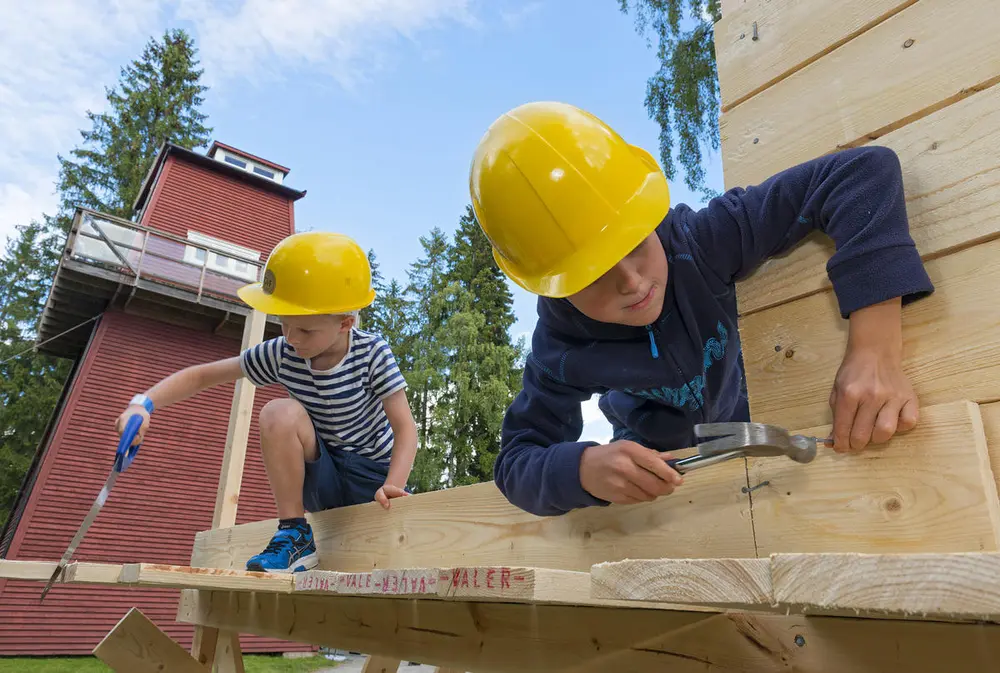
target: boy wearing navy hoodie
<point>637,301</point>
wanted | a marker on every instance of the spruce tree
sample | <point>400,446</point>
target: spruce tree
<point>157,99</point>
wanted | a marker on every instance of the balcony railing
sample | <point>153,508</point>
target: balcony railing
<point>142,253</point>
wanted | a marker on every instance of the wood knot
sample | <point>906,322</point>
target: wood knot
<point>790,353</point>
<point>893,505</point>
<point>586,535</point>
<point>934,145</point>
<point>402,538</point>
<point>908,43</point>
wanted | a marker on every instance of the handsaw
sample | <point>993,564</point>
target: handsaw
<point>123,458</point>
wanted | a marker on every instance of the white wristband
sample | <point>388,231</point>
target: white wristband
<point>143,401</point>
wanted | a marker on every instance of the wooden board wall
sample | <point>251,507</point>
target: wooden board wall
<point>803,78</point>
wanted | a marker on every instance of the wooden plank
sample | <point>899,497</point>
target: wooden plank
<point>929,490</point>
<point>742,583</point>
<point>229,655</point>
<point>950,348</point>
<point>183,577</point>
<point>788,36</point>
<point>865,89</point>
<point>379,664</point>
<point>991,425</point>
<point>502,637</point>
<point>79,573</point>
<point>231,475</point>
<point>951,178</point>
<point>475,525</point>
<point>136,645</point>
<point>727,7</point>
<point>928,585</point>
<point>468,636</point>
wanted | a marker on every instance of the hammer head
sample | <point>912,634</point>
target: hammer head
<point>755,439</point>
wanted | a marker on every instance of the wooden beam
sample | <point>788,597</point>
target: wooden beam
<point>952,190</point>
<point>924,585</point>
<point>929,490</point>
<point>503,637</point>
<point>467,636</point>
<point>379,664</point>
<point>183,577</point>
<point>771,39</point>
<point>991,425</point>
<point>79,573</point>
<point>950,351</point>
<point>739,583</point>
<point>475,525</point>
<point>136,645</point>
<point>931,54</point>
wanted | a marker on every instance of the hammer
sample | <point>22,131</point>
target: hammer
<point>738,440</point>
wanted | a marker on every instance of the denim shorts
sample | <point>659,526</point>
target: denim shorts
<point>339,478</point>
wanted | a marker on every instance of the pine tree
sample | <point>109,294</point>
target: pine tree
<point>157,100</point>
<point>683,95</point>
<point>30,383</point>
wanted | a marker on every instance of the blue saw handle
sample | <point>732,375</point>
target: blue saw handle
<point>126,452</point>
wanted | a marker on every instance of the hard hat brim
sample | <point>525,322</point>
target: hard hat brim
<point>255,297</point>
<point>636,221</point>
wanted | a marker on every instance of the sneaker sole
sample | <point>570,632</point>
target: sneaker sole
<point>304,563</point>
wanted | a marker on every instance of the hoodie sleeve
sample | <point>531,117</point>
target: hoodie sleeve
<point>538,468</point>
<point>854,196</point>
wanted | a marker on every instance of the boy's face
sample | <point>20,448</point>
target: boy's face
<point>631,292</point>
<point>311,335</point>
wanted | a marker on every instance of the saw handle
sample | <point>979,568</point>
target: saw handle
<point>126,452</point>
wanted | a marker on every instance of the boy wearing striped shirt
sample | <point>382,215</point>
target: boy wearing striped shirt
<point>345,434</point>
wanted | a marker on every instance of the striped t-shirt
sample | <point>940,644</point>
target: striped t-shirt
<point>345,402</point>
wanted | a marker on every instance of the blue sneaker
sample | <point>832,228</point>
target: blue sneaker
<point>290,550</point>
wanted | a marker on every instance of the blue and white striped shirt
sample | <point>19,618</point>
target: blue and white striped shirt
<point>345,402</point>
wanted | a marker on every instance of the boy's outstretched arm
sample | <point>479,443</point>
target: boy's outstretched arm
<point>179,386</point>
<point>856,197</point>
<point>404,447</point>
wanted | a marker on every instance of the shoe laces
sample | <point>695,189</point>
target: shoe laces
<point>281,540</point>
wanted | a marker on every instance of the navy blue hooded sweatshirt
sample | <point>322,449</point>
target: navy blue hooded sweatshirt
<point>656,382</point>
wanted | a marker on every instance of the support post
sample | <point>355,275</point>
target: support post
<point>379,664</point>
<point>210,644</point>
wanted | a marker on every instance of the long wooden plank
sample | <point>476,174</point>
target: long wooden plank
<point>379,664</point>
<point>136,645</point>
<point>929,490</point>
<point>81,573</point>
<point>504,637</point>
<point>951,178</point>
<point>475,525</point>
<point>740,583</point>
<point>489,636</point>
<point>770,39</point>
<point>926,585</point>
<point>932,53</point>
<point>183,577</point>
<point>950,345</point>
<point>991,425</point>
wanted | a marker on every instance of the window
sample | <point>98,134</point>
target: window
<point>248,165</point>
<point>234,161</point>
<point>263,171</point>
<point>236,261</point>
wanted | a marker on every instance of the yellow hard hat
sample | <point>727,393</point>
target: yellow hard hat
<point>562,197</point>
<point>313,273</point>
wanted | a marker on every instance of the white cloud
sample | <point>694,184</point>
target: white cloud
<point>595,426</point>
<point>515,17</point>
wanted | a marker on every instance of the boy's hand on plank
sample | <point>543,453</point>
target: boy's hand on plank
<point>387,492</point>
<point>626,473</point>
<point>872,398</point>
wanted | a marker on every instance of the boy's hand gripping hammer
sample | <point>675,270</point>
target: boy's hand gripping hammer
<point>738,440</point>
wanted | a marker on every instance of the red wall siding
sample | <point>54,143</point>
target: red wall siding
<point>156,506</point>
<point>191,197</point>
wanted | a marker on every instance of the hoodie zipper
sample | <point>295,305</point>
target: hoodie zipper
<point>656,355</point>
<point>652,343</point>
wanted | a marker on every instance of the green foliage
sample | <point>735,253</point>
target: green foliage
<point>682,96</point>
<point>157,100</point>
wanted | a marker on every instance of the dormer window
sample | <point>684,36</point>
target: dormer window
<point>247,162</point>
<point>236,262</point>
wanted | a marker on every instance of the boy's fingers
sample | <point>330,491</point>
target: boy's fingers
<point>864,423</point>
<point>909,415</point>
<point>843,418</point>
<point>887,421</point>
<point>655,462</point>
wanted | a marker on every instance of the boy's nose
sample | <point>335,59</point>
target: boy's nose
<point>627,279</point>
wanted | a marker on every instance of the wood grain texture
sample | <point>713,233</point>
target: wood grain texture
<point>740,583</point>
<point>950,345</point>
<point>926,585</point>
<point>183,577</point>
<point>475,525</point>
<point>82,573</point>
<point>791,34</point>
<point>929,490</point>
<point>991,426</point>
<point>951,178</point>
<point>865,89</point>
<point>136,645</point>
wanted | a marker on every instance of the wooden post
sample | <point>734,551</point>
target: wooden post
<point>379,664</point>
<point>209,644</point>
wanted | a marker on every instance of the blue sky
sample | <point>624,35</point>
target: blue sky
<point>375,106</point>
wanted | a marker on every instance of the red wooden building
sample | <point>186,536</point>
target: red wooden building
<point>133,301</point>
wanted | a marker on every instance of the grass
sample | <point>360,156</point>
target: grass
<point>253,663</point>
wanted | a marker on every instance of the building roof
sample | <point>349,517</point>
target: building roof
<point>168,149</point>
<point>252,157</point>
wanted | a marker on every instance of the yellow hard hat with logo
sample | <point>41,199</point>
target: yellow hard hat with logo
<point>313,273</point>
<point>562,197</point>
